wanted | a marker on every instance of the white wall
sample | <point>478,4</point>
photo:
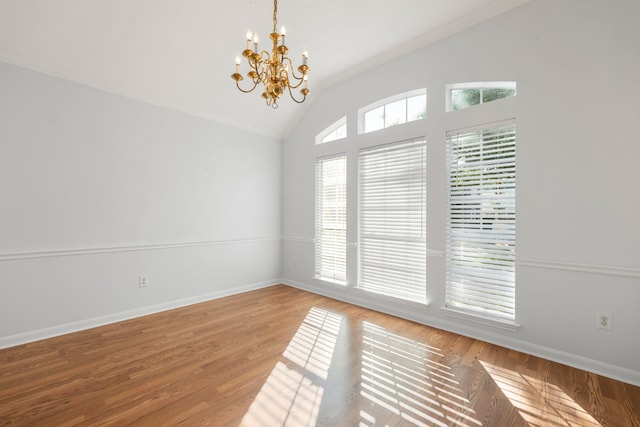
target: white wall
<point>576,63</point>
<point>97,189</point>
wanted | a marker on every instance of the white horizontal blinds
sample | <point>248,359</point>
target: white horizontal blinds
<point>392,220</point>
<point>481,220</point>
<point>331,219</point>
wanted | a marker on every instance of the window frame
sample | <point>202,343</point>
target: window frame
<point>382,103</point>
<point>486,266</point>
<point>449,88</point>
<point>333,127</point>
<point>395,248</point>
<point>339,258</point>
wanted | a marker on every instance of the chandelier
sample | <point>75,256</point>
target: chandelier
<point>274,71</point>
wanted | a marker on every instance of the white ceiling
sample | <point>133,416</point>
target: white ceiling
<point>180,53</point>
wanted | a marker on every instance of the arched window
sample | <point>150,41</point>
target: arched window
<point>396,110</point>
<point>333,132</point>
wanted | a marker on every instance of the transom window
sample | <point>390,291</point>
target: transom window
<point>465,95</point>
<point>396,110</point>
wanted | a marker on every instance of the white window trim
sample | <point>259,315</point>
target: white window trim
<point>318,220</point>
<point>379,225</point>
<point>332,128</point>
<point>382,102</point>
<point>474,85</point>
<point>506,324</point>
<point>479,311</point>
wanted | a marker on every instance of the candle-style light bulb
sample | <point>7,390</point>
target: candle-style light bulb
<point>238,59</point>
<point>255,42</point>
<point>249,35</point>
<point>283,33</point>
<point>305,56</point>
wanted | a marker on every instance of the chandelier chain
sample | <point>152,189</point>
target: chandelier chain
<point>275,16</point>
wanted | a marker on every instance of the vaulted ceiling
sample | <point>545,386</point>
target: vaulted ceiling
<point>180,53</point>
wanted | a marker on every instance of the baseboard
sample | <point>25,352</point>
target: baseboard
<point>595,366</point>
<point>67,328</point>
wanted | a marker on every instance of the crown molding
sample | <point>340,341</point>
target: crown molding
<point>494,9</point>
<point>80,79</point>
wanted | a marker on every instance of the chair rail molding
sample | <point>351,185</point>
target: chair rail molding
<point>608,270</point>
<point>12,256</point>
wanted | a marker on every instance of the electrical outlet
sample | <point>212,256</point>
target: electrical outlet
<point>604,321</point>
<point>143,281</point>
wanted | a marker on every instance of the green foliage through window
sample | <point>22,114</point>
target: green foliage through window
<point>481,220</point>
<point>468,94</point>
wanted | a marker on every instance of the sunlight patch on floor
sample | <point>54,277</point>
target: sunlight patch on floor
<point>292,393</point>
<point>538,402</point>
<point>313,344</point>
<point>287,398</point>
<point>400,376</point>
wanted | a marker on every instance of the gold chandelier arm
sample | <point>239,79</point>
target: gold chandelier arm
<point>297,85</point>
<point>258,70</point>
<point>294,98</point>
<point>255,84</point>
<point>292,69</point>
<point>253,64</point>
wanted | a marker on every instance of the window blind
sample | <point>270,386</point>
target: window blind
<point>392,220</point>
<point>331,219</point>
<point>481,220</point>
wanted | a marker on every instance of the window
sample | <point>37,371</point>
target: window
<point>481,227</point>
<point>465,95</point>
<point>396,110</point>
<point>392,220</point>
<point>331,219</point>
<point>333,132</point>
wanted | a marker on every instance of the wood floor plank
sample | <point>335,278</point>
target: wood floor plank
<point>282,356</point>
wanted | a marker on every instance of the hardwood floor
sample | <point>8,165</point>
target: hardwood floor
<point>281,356</point>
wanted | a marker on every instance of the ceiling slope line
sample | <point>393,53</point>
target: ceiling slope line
<point>497,8</point>
<point>76,78</point>
<point>440,33</point>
